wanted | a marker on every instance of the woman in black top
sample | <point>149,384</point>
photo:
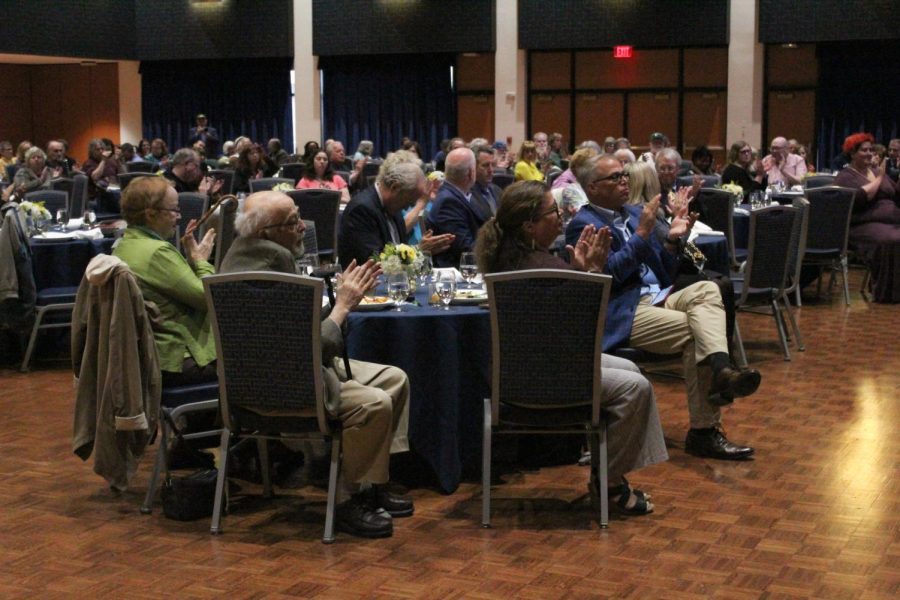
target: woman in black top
<point>740,157</point>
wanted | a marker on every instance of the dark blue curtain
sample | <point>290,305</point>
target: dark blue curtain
<point>250,97</point>
<point>385,97</point>
<point>859,90</point>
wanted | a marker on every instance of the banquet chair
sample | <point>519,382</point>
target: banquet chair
<point>503,180</point>
<point>709,181</point>
<point>795,263</point>
<point>222,221</point>
<point>227,177</point>
<point>547,332</point>
<point>717,210</point>
<point>64,184</point>
<point>142,166</point>
<point>322,207</point>
<point>774,232</point>
<point>78,200</point>
<point>817,181</point>
<point>293,171</point>
<point>267,183</point>
<point>53,200</point>
<point>11,172</point>
<point>192,205</point>
<point>253,403</point>
<point>830,209</point>
<point>369,170</point>
<point>345,175</point>
<point>126,178</point>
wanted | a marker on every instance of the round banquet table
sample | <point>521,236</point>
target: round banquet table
<point>446,355</point>
<point>715,249</point>
<point>61,263</point>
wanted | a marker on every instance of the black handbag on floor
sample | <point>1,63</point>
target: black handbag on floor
<point>190,498</point>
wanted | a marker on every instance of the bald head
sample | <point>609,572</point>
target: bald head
<point>459,168</point>
<point>261,210</point>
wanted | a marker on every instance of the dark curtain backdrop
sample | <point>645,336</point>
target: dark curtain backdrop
<point>859,90</point>
<point>383,98</point>
<point>250,97</point>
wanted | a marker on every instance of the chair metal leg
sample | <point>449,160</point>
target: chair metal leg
<point>782,332</point>
<point>819,283</point>
<point>844,270</point>
<point>214,528</point>
<point>799,301</point>
<point>32,339</point>
<point>328,537</point>
<point>262,446</point>
<point>739,345</point>
<point>793,322</point>
<point>486,466</point>
<point>602,464</point>
<point>161,452</point>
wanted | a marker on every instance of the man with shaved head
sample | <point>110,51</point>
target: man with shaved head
<point>453,211</point>
<point>373,405</point>
<point>781,165</point>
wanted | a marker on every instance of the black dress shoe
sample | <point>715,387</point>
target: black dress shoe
<point>396,506</point>
<point>730,383</point>
<point>356,517</point>
<point>712,443</point>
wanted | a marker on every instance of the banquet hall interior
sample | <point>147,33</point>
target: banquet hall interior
<point>814,514</point>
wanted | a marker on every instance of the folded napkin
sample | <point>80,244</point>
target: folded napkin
<point>87,234</point>
<point>742,211</point>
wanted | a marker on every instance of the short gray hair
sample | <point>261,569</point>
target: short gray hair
<point>625,154</point>
<point>400,170</point>
<point>669,153</point>
<point>592,145</point>
<point>585,172</point>
<point>34,150</point>
<point>184,155</point>
<point>96,143</point>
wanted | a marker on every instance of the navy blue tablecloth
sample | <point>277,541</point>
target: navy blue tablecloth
<point>715,248</point>
<point>446,355</point>
<point>62,263</point>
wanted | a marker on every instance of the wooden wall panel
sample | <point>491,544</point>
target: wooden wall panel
<point>792,115</point>
<point>792,66</point>
<point>646,69</point>
<point>704,123</point>
<point>551,70</point>
<point>104,82</point>
<point>649,112</point>
<point>15,103</point>
<point>706,67</point>
<point>597,116</point>
<point>474,72</point>
<point>551,113</point>
<point>475,117</point>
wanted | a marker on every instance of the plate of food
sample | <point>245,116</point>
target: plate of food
<point>469,297</point>
<point>371,303</point>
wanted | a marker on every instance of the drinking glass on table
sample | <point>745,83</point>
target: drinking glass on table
<point>426,269</point>
<point>445,287</point>
<point>88,219</point>
<point>307,263</point>
<point>398,288</point>
<point>62,218</point>
<point>468,267</point>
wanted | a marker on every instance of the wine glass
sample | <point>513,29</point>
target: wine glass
<point>62,218</point>
<point>468,267</point>
<point>398,288</point>
<point>88,219</point>
<point>446,288</point>
<point>426,269</point>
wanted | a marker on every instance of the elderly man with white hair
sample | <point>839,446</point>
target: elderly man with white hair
<point>373,405</point>
<point>781,165</point>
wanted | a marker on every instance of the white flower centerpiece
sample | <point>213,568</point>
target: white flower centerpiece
<point>401,258</point>
<point>735,190</point>
<point>282,187</point>
<point>34,213</point>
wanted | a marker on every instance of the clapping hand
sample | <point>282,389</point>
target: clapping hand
<point>591,250</point>
<point>356,280</point>
<point>648,218</point>
<point>210,185</point>
<point>197,252</point>
<point>679,201</point>
<point>435,244</point>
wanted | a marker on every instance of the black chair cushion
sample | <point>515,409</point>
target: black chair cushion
<point>56,295</point>
<point>173,397</point>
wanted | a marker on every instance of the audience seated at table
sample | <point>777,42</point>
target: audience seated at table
<point>373,405</point>
<point>159,154</point>
<point>572,196</point>
<point>252,163</point>
<point>519,237</point>
<point>186,174</point>
<point>875,222</point>
<point>568,176</point>
<point>374,217</point>
<point>7,157</point>
<point>527,168</point>
<point>33,174</point>
<point>643,313</point>
<point>102,170</point>
<point>452,213</point>
<point>187,350</point>
<point>56,160</point>
<point>782,166</point>
<point>742,171</point>
<point>318,175</point>
<point>702,161</point>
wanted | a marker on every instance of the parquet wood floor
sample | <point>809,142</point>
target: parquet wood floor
<point>814,516</point>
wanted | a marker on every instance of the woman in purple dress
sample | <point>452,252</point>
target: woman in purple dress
<point>875,223</point>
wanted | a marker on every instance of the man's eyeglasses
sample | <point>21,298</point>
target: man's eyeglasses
<point>616,177</point>
<point>289,224</point>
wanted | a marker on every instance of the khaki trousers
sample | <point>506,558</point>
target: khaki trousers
<point>374,412</point>
<point>690,322</point>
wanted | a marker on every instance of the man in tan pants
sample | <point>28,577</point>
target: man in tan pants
<point>644,313</point>
<point>372,405</point>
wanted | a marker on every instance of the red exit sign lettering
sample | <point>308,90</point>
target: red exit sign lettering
<point>622,51</point>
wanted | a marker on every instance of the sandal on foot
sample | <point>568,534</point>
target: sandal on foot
<point>621,494</point>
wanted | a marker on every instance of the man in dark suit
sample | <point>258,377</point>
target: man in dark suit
<point>485,193</point>
<point>208,134</point>
<point>374,217</point>
<point>452,211</point>
<point>373,404</point>
<point>644,313</point>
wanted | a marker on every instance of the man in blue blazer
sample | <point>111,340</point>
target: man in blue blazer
<point>373,217</point>
<point>452,211</point>
<point>644,313</point>
<point>485,193</point>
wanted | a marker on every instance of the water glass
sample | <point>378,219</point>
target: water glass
<point>398,288</point>
<point>88,219</point>
<point>426,269</point>
<point>62,218</point>
<point>446,288</point>
<point>468,267</point>
<point>307,263</point>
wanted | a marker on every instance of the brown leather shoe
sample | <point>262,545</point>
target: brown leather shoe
<point>712,443</point>
<point>730,383</point>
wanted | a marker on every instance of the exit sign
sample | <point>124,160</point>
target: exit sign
<point>622,51</point>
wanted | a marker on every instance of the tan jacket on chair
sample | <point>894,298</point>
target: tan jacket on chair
<point>116,364</point>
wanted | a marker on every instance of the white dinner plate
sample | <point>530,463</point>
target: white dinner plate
<point>469,297</point>
<point>375,306</point>
<point>53,235</point>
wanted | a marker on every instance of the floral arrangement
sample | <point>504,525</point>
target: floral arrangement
<point>733,189</point>
<point>400,258</point>
<point>282,187</point>
<point>35,210</point>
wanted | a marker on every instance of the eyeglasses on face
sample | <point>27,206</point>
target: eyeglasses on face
<point>296,224</point>
<point>551,210</point>
<point>616,177</point>
<point>176,210</point>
